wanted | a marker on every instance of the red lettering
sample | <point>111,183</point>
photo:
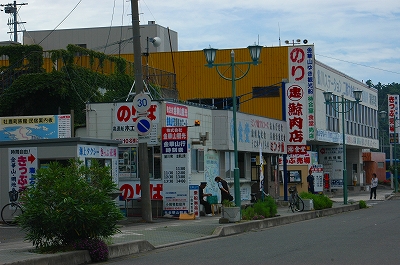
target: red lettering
<point>297,55</point>
<point>157,189</point>
<point>127,191</point>
<point>297,69</point>
<point>123,113</point>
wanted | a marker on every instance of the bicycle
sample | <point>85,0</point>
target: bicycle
<point>254,198</point>
<point>295,202</point>
<point>12,209</point>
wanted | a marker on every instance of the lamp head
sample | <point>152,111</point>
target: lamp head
<point>255,52</point>
<point>156,41</point>
<point>357,95</point>
<point>210,55</point>
<point>383,114</point>
<point>328,96</point>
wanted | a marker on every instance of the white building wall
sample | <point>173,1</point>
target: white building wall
<point>329,79</point>
<point>108,40</point>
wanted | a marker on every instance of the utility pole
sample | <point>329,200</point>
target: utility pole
<point>12,9</point>
<point>143,155</point>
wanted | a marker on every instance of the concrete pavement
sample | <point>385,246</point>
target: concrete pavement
<point>137,236</point>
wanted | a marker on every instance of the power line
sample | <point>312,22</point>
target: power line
<point>376,68</point>
<point>61,21</point>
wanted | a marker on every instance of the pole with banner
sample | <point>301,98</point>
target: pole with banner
<point>261,173</point>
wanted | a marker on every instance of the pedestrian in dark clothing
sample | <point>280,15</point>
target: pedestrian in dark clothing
<point>224,188</point>
<point>207,205</point>
<point>310,181</point>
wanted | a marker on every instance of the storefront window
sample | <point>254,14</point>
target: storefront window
<point>127,159</point>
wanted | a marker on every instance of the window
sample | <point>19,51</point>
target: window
<point>155,162</point>
<point>127,162</point>
<point>266,91</point>
<point>198,160</point>
<point>293,176</point>
<point>219,103</point>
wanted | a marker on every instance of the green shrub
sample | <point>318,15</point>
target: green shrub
<point>362,204</point>
<point>261,209</point>
<point>68,204</point>
<point>320,201</point>
<point>227,203</point>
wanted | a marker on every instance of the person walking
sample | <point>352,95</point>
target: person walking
<point>224,188</point>
<point>374,185</point>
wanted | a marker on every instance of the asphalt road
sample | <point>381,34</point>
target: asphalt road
<point>367,236</point>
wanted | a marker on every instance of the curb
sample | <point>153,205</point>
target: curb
<point>282,220</point>
<point>76,257</point>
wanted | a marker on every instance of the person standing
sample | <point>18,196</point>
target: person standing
<point>310,181</point>
<point>224,188</point>
<point>354,179</point>
<point>206,204</point>
<point>374,185</point>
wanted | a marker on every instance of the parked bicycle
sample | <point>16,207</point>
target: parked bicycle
<point>254,198</point>
<point>295,202</point>
<point>12,209</point>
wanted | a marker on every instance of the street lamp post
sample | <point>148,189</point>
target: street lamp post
<point>340,107</point>
<point>255,51</point>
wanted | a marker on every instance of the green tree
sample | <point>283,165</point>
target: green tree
<point>69,203</point>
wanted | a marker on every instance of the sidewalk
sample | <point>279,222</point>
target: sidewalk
<point>137,236</point>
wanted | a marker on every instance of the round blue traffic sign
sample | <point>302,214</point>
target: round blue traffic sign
<point>143,125</point>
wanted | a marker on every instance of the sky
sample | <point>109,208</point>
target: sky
<point>357,37</point>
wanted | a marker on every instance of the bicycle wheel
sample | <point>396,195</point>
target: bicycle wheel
<point>9,213</point>
<point>299,204</point>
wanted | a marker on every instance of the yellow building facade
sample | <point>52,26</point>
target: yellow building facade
<point>194,80</point>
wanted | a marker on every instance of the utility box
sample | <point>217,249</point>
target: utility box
<point>308,204</point>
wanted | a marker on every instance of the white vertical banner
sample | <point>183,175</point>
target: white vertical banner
<point>194,201</point>
<point>332,161</point>
<point>393,117</point>
<point>261,170</point>
<point>318,173</point>
<point>175,186</point>
<point>301,70</point>
<point>22,166</point>
<point>296,116</point>
<point>175,170</point>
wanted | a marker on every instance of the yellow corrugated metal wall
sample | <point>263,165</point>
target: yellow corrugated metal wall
<point>195,80</point>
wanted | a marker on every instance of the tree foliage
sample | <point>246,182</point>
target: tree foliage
<point>383,92</point>
<point>61,91</point>
<point>29,90</point>
<point>67,204</point>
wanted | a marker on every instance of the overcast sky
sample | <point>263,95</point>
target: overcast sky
<point>358,37</point>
